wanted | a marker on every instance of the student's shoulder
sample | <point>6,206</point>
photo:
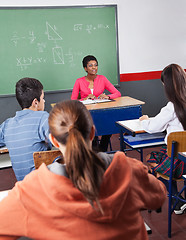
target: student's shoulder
<point>169,108</point>
<point>7,121</point>
<point>132,163</point>
<point>107,158</point>
<point>41,114</point>
<point>170,105</point>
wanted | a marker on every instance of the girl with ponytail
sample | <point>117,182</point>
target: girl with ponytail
<point>72,126</point>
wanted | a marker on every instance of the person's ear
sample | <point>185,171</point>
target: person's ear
<point>92,133</point>
<point>35,103</point>
<point>85,69</point>
<point>53,140</point>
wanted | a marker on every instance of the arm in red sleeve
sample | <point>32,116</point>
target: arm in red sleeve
<point>75,91</point>
<point>110,87</point>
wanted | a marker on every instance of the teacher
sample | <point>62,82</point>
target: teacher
<point>93,86</point>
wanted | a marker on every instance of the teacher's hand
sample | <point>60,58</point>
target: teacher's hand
<point>90,96</point>
<point>103,96</point>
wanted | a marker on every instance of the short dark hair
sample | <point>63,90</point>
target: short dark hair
<point>88,59</point>
<point>27,89</point>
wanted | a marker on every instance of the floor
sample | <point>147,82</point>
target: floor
<point>156,221</point>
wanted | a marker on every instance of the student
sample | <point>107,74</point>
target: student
<point>171,118</point>
<point>99,196</point>
<point>93,86</point>
<point>28,131</point>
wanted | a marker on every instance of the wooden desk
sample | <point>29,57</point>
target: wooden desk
<point>106,114</point>
<point>3,150</point>
<point>5,161</point>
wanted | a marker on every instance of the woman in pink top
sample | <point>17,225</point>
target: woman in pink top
<point>93,86</point>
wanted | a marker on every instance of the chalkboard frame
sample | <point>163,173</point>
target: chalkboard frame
<point>75,6</point>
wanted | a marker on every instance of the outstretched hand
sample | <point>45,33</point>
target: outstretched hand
<point>144,117</point>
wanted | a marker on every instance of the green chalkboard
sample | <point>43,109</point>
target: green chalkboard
<point>50,43</point>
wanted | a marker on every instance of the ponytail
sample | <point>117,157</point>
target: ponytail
<point>71,123</point>
<point>84,167</point>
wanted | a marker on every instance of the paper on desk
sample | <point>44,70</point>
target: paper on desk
<point>134,125</point>
<point>92,101</point>
<point>88,101</point>
<point>3,194</point>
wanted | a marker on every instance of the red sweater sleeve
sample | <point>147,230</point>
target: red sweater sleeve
<point>75,91</point>
<point>110,87</point>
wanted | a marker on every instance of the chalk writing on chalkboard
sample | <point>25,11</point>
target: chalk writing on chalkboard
<point>52,32</point>
<point>89,27</point>
<point>15,38</point>
<point>24,62</point>
<point>53,35</point>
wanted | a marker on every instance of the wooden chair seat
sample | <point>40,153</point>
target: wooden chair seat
<point>46,157</point>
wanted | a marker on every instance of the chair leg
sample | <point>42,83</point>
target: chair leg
<point>185,189</point>
<point>170,192</point>
<point>141,154</point>
<point>169,216</point>
<point>110,145</point>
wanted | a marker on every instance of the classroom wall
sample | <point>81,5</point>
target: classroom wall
<point>151,35</point>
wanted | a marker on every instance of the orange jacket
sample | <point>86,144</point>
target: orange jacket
<point>47,206</point>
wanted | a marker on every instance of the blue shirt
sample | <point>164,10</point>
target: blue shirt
<point>23,135</point>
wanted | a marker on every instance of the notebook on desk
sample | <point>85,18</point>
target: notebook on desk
<point>133,125</point>
<point>144,138</point>
<point>93,101</point>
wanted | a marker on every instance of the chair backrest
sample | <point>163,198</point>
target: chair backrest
<point>180,139</point>
<point>46,157</point>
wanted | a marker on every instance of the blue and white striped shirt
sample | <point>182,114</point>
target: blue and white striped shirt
<point>23,135</point>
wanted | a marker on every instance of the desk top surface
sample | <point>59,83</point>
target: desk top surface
<point>118,102</point>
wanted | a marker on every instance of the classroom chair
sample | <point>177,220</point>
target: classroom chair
<point>176,142</point>
<point>46,157</point>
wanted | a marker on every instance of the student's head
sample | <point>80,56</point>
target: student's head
<point>72,131</point>
<point>29,92</point>
<point>174,79</point>
<point>88,59</point>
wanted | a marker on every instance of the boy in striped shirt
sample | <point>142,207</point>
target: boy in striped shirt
<point>27,132</point>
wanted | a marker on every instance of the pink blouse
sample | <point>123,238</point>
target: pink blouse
<point>100,84</point>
